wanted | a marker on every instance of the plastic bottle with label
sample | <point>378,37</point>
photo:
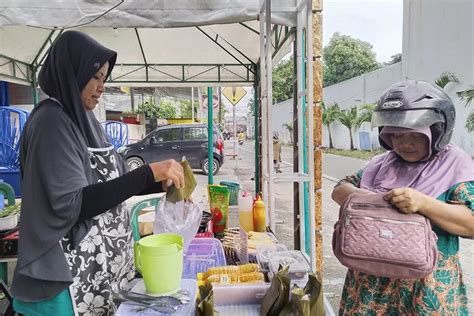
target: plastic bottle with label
<point>259,216</point>
<point>245,202</point>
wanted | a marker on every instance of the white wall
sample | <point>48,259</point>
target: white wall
<point>438,36</point>
<point>363,89</point>
<point>282,113</point>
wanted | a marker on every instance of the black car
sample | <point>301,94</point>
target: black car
<point>176,142</point>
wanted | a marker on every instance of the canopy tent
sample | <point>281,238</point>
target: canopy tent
<point>158,42</point>
<point>190,43</point>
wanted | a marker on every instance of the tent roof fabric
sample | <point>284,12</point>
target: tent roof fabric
<point>166,42</point>
<point>140,13</point>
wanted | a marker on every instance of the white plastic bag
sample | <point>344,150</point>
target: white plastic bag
<point>182,218</point>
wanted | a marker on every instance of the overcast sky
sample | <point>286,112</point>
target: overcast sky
<point>378,22</point>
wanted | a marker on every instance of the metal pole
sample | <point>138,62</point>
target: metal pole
<point>234,126</point>
<point>256,137</point>
<point>210,132</point>
<point>296,186</point>
<point>307,219</point>
<point>268,113</point>
<point>34,86</point>
<point>192,104</point>
<point>132,99</point>
<point>301,162</point>
<point>220,106</point>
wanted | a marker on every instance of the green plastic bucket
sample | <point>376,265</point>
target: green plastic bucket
<point>159,259</point>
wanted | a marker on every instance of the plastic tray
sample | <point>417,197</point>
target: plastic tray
<point>263,253</point>
<point>239,299</point>
<point>298,262</point>
<point>202,254</point>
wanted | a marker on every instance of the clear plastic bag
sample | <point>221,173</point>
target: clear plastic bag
<point>182,218</point>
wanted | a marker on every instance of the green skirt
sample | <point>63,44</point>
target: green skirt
<point>60,305</point>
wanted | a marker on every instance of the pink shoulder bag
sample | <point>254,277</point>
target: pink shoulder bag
<point>373,237</point>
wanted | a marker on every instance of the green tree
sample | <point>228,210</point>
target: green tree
<point>185,108</point>
<point>445,78</point>
<point>165,110</point>
<point>394,59</point>
<point>353,118</point>
<point>345,58</point>
<point>148,108</point>
<point>466,97</point>
<point>282,84</point>
<point>330,114</point>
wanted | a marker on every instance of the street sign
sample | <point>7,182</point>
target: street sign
<point>215,101</point>
<point>234,94</point>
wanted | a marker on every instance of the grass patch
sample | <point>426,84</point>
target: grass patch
<point>359,154</point>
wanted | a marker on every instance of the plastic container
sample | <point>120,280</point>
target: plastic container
<point>245,203</point>
<point>9,222</point>
<point>298,262</point>
<point>239,299</point>
<point>259,216</point>
<point>234,191</point>
<point>166,252</point>
<point>264,252</point>
<point>202,254</point>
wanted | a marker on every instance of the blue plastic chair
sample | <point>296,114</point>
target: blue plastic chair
<point>12,121</point>
<point>117,132</point>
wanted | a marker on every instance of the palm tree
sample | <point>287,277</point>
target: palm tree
<point>445,78</point>
<point>352,118</point>
<point>366,113</point>
<point>289,127</point>
<point>330,114</point>
<point>466,97</point>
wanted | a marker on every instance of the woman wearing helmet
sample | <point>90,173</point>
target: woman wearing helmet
<point>420,173</point>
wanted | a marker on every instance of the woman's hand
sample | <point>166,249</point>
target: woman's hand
<point>342,192</point>
<point>455,219</point>
<point>407,200</point>
<point>170,172</point>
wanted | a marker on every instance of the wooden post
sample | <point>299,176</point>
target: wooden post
<point>317,98</point>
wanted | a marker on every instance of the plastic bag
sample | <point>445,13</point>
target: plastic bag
<point>182,218</point>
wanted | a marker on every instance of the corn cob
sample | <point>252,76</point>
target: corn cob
<point>245,268</point>
<point>236,278</point>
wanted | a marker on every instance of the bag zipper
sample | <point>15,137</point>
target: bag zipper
<point>386,220</point>
<point>368,205</point>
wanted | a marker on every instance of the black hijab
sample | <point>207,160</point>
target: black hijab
<point>55,166</point>
<point>72,61</point>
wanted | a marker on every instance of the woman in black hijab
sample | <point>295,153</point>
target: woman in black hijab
<point>75,247</point>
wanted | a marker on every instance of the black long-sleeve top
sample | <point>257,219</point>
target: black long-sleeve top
<point>99,197</point>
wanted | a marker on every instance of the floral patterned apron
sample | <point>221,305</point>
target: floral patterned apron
<point>103,261</point>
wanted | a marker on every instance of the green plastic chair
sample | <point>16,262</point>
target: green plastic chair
<point>152,202</point>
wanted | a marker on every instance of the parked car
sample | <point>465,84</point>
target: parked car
<point>174,142</point>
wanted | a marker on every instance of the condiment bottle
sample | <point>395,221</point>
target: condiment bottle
<point>259,216</point>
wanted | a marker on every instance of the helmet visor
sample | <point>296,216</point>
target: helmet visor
<point>409,119</point>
